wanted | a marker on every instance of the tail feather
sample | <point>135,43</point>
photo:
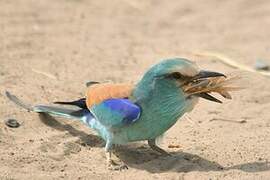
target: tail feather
<point>81,103</point>
<point>82,114</point>
<point>18,102</point>
<point>62,112</point>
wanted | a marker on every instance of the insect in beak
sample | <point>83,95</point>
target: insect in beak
<point>206,82</point>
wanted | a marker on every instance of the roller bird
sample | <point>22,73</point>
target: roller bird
<point>121,113</point>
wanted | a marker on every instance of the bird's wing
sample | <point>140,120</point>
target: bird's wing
<point>110,104</point>
<point>98,93</point>
<point>115,113</point>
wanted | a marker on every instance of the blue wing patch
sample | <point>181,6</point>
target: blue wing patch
<point>125,107</point>
<point>116,112</point>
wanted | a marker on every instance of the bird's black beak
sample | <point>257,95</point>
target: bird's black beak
<point>207,74</point>
<point>208,97</point>
<point>201,79</point>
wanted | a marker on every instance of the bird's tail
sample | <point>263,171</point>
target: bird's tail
<point>81,114</point>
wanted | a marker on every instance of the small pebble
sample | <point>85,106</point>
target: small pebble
<point>261,65</point>
<point>243,121</point>
<point>13,123</point>
<point>173,146</point>
<point>90,83</point>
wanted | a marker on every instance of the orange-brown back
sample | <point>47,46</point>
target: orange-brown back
<point>99,92</point>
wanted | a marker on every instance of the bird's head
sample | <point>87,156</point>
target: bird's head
<point>182,74</point>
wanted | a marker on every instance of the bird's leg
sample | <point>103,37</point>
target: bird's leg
<point>112,165</point>
<point>152,144</point>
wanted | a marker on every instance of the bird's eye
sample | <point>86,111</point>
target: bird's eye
<point>175,75</point>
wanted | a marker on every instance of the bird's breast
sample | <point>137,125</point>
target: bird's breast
<point>158,115</point>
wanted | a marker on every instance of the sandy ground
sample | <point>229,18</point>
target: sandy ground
<point>49,49</point>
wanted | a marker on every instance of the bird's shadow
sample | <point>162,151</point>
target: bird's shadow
<point>85,139</point>
<point>144,158</point>
<point>140,156</point>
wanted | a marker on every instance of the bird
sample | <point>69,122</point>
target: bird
<point>122,113</point>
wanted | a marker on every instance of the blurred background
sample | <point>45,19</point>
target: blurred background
<point>88,38</point>
<point>50,49</point>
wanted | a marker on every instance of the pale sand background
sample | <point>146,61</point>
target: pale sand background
<point>78,40</point>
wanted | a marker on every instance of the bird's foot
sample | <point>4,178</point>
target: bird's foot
<point>153,146</point>
<point>113,165</point>
<point>164,153</point>
<point>161,151</point>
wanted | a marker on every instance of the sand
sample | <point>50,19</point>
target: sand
<point>50,49</point>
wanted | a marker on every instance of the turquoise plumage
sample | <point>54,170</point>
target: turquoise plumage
<point>145,111</point>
